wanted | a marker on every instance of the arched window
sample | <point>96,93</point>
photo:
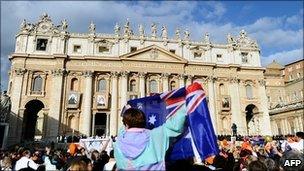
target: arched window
<point>74,84</point>
<point>37,84</point>
<point>249,91</point>
<point>102,85</point>
<point>153,86</point>
<point>222,89</point>
<point>172,85</point>
<point>132,86</point>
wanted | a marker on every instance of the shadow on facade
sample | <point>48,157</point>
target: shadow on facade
<point>34,125</point>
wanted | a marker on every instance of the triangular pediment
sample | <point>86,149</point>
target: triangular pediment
<point>153,53</point>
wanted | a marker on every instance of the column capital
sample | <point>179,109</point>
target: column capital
<point>234,80</point>
<point>189,77</point>
<point>211,78</point>
<point>124,73</point>
<point>20,71</point>
<point>142,74</point>
<point>165,75</point>
<point>262,82</point>
<point>88,73</point>
<point>114,74</point>
<point>58,72</point>
<point>181,76</point>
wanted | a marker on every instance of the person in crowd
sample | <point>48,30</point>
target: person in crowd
<point>299,138</point>
<point>137,148</point>
<point>292,154</point>
<point>25,162</point>
<point>6,164</point>
<point>78,165</point>
<point>95,157</point>
<point>289,143</point>
<point>271,165</point>
<point>110,165</point>
<point>257,166</point>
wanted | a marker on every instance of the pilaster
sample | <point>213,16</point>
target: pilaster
<point>114,104</point>
<point>87,103</point>
<point>123,97</point>
<point>212,106</point>
<point>237,116</point>
<point>165,77</point>
<point>265,119</point>
<point>55,104</point>
<point>16,94</point>
<point>142,84</point>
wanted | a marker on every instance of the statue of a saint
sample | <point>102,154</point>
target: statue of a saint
<point>243,34</point>
<point>141,30</point>
<point>64,25</point>
<point>230,39</point>
<point>207,38</point>
<point>92,28</point>
<point>23,24</point>
<point>177,33</point>
<point>117,29</point>
<point>153,30</point>
<point>187,34</point>
<point>127,28</point>
<point>164,32</point>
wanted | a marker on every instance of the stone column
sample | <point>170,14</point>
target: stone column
<point>181,80</point>
<point>142,84</point>
<point>212,106</point>
<point>189,80</point>
<point>114,104</point>
<point>87,103</point>
<point>123,95</point>
<point>93,124</point>
<point>237,117</point>
<point>54,117</point>
<point>265,119</point>
<point>165,81</point>
<point>17,84</point>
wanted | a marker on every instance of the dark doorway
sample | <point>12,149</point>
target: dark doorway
<point>251,110</point>
<point>100,124</point>
<point>30,119</point>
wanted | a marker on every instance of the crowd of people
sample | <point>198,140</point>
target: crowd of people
<point>253,153</point>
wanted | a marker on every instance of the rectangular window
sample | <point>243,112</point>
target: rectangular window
<point>172,51</point>
<point>219,57</point>
<point>77,49</point>
<point>289,69</point>
<point>103,49</point>
<point>244,56</point>
<point>290,77</point>
<point>133,49</point>
<point>41,44</point>
<point>197,54</point>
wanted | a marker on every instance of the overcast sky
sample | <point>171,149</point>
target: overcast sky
<point>277,26</point>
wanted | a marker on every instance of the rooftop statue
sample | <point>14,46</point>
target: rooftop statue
<point>187,34</point>
<point>207,38</point>
<point>153,30</point>
<point>141,30</point>
<point>117,29</point>
<point>64,25</point>
<point>177,33</point>
<point>92,28</point>
<point>164,32</point>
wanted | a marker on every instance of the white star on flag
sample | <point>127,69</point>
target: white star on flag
<point>152,119</point>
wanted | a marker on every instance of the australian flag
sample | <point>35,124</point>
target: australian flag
<point>198,138</point>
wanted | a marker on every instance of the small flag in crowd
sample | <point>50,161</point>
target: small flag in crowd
<point>198,138</point>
